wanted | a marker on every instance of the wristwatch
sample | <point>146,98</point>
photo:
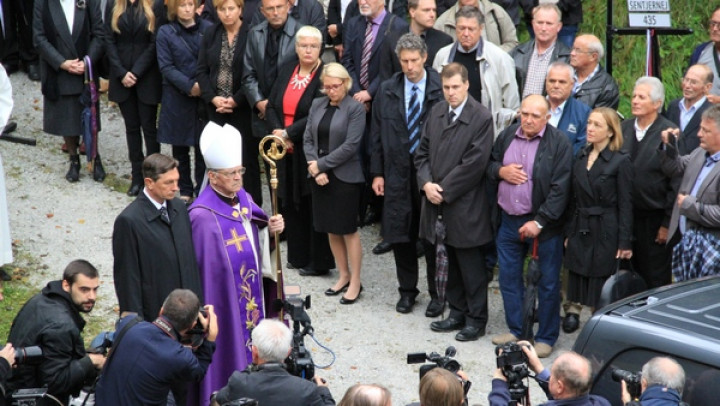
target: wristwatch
<point>539,226</point>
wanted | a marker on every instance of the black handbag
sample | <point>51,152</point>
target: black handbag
<point>623,283</point>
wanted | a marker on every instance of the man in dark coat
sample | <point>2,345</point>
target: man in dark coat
<point>653,198</point>
<point>399,112</point>
<point>152,243</point>
<point>52,320</point>
<point>566,113</point>
<point>686,111</point>
<point>593,85</point>
<point>423,14</point>
<point>531,163</point>
<point>454,151</point>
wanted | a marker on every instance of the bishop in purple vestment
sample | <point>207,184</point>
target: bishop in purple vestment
<point>228,229</point>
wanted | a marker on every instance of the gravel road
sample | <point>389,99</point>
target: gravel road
<point>56,222</point>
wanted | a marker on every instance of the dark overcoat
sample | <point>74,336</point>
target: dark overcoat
<point>152,258</point>
<point>180,114</point>
<point>456,156</point>
<point>132,50</point>
<point>391,147</point>
<point>600,213</point>
<point>293,165</point>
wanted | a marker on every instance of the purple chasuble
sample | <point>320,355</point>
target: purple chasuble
<point>232,281</point>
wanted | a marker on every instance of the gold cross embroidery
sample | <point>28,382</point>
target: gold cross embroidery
<point>236,240</point>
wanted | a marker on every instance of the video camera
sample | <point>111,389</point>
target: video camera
<point>632,381</point>
<point>299,362</point>
<point>445,362</point>
<point>28,355</point>
<point>513,362</point>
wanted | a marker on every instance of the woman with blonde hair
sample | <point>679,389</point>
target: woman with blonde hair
<point>135,81</point>
<point>333,132</point>
<point>599,232</point>
<point>366,395</point>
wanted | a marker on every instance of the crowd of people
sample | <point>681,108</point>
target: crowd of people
<point>469,146</point>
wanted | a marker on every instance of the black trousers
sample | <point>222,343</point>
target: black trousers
<point>651,260</point>
<point>305,246</point>
<point>18,16</point>
<point>182,154</point>
<point>406,262</point>
<point>138,115</point>
<point>467,285</point>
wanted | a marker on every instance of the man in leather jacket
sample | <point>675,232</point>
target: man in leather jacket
<point>52,320</point>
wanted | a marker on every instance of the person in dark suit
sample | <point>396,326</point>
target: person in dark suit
<point>220,80</point>
<point>599,231</point>
<point>290,100</point>
<point>686,111</point>
<point>18,29</point>
<point>305,12</point>
<point>451,159</point>
<point>696,212</point>
<point>153,254</point>
<point>423,14</point>
<point>135,81</point>
<point>334,129</point>
<point>400,110</point>
<point>270,45</point>
<point>654,197</point>
<point>531,165</point>
<point>337,17</point>
<point>61,49</point>
<point>181,122</point>
<point>566,114</point>
<point>593,85</point>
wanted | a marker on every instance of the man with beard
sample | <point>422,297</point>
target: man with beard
<point>52,320</point>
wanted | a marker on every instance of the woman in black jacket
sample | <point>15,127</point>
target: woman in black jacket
<point>220,70</point>
<point>135,82</point>
<point>600,228</point>
<point>298,84</point>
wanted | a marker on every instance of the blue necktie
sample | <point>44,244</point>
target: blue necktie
<point>413,119</point>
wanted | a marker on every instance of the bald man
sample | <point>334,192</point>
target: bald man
<point>686,112</point>
<point>662,383</point>
<point>567,382</point>
<point>538,151</point>
<point>593,85</point>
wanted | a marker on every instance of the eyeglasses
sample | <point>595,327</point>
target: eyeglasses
<point>231,174</point>
<point>581,51</point>
<point>714,25</point>
<point>328,88</point>
<point>308,46</point>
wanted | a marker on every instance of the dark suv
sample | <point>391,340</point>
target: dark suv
<point>680,320</point>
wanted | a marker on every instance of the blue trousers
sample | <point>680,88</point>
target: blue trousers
<point>511,259</point>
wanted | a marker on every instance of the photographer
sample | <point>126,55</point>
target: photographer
<point>52,320</point>
<point>567,383</point>
<point>7,359</point>
<point>662,381</point>
<point>148,359</point>
<point>267,380</point>
<point>440,387</point>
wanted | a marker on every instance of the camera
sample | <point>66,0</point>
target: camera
<point>196,335</point>
<point>632,381</point>
<point>442,361</point>
<point>299,362</point>
<point>28,355</point>
<point>28,397</point>
<point>513,362</point>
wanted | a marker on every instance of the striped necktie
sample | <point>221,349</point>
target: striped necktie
<point>366,51</point>
<point>413,119</point>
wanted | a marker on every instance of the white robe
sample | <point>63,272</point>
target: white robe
<point>6,104</point>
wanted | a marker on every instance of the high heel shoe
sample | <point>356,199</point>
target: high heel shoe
<point>346,301</point>
<point>331,292</point>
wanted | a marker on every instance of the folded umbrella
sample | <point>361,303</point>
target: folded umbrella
<point>532,277</point>
<point>441,256</point>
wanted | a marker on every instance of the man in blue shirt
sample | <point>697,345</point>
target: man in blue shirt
<point>662,383</point>
<point>149,359</point>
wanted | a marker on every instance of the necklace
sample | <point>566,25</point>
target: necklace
<point>299,82</point>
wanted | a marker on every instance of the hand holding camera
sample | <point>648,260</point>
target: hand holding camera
<point>208,320</point>
<point>8,352</point>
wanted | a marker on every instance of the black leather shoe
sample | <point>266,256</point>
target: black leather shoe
<point>33,72</point>
<point>435,308</point>
<point>11,67</point>
<point>470,333</point>
<point>371,216</point>
<point>448,324</point>
<point>4,275</point>
<point>289,265</point>
<point>312,271</point>
<point>405,304</point>
<point>98,170</point>
<point>331,292</point>
<point>382,247</point>
<point>346,301</point>
<point>571,322</point>
<point>9,127</point>
<point>134,190</point>
<point>73,174</point>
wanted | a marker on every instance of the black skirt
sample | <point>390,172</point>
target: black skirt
<point>583,289</point>
<point>335,206</point>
